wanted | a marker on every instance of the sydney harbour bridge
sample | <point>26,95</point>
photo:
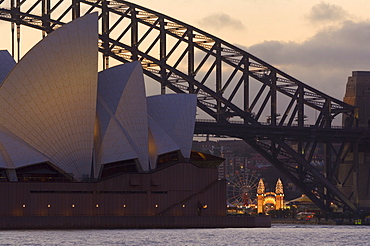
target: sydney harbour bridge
<point>235,89</point>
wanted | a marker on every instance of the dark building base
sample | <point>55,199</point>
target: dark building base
<point>181,195</point>
<point>130,222</point>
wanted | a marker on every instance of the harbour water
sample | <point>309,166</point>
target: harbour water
<point>284,234</point>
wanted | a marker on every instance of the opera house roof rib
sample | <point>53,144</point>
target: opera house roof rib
<point>57,109</point>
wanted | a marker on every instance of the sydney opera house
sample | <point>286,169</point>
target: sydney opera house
<point>82,148</point>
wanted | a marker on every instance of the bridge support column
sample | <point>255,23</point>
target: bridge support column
<point>76,9</point>
<point>134,35</point>
<point>356,180</point>
<point>46,17</point>
<point>163,54</point>
<point>15,9</point>
<point>105,34</point>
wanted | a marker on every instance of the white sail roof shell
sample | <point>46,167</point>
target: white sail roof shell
<point>111,144</point>
<point>159,142</point>
<point>6,64</point>
<point>175,114</point>
<point>124,128</point>
<point>15,153</point>
<point>49,98</point>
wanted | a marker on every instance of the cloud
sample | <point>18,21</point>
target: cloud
<point>219,21</point>
<point>325,12</point>
<point>325,60</point>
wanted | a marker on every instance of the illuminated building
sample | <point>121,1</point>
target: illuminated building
<point>80,148</point>
<point>267,201</point>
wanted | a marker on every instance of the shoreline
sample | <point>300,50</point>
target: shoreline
<point>133,222</point>
<point>313,221</point>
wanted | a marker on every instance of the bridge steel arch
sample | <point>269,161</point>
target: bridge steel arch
<point>235,89</point>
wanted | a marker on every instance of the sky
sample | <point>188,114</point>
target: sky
<point>318,42</point>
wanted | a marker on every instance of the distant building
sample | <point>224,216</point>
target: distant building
<point>267,201</point>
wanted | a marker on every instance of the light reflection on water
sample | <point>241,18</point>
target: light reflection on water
<point>276,235</point>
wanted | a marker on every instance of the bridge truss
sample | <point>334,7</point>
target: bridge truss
<point>231,85</point>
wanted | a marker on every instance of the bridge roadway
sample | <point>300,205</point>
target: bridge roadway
<point>336,141</point>
<point>238,129</point>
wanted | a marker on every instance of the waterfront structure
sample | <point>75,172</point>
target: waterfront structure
<point>267,201</point>
<point>127,34</point>
<point>82,149</point>
<point>304,204</point>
